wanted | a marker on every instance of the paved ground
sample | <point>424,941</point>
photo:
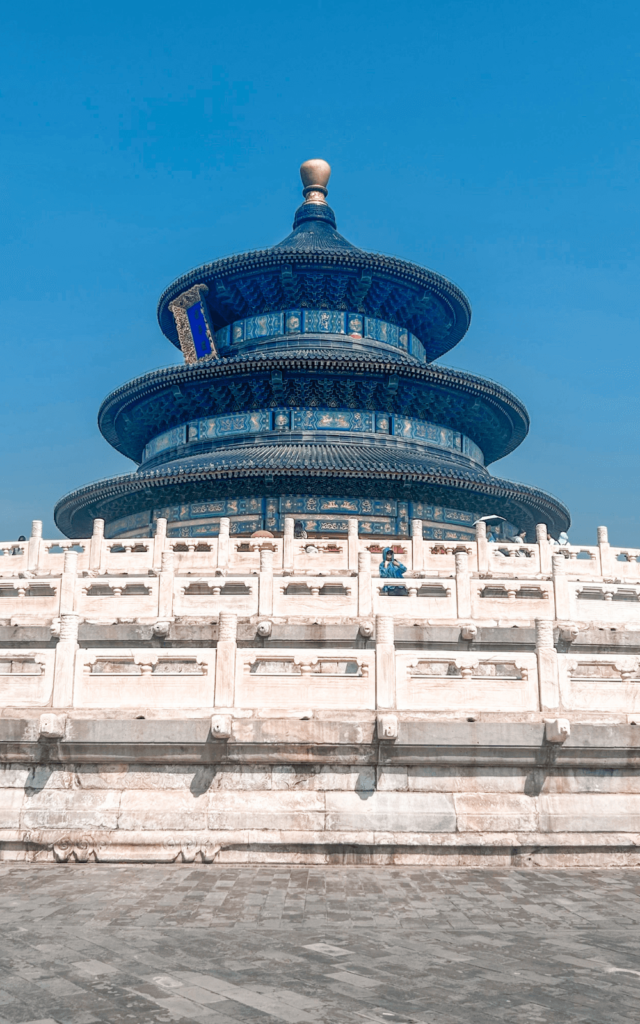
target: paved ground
<point>220,945</point>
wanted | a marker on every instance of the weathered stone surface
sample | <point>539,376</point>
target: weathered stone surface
<point>391,812</point>
<point>162,809</point>
<point>302,771</point>
<point>495,812</point>
<point>68,809</point>
<point>445,779</point>
<point>590,812</point>
<point>281,810</point>
<point>10,807</point>
<point>460,946</point>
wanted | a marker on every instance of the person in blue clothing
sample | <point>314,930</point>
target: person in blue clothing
<point>391,569</point>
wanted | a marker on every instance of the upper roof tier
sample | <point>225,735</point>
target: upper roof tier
<point>313,284</point>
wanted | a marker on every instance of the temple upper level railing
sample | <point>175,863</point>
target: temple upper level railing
<point>153,579</point>
<point>237,554</point>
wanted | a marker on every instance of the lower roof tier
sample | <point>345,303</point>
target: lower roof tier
<point>133,415</point>
<point>319,469</point>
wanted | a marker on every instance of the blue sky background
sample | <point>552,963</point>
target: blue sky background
<point>496,142</point>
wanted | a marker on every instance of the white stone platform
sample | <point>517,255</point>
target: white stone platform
<point>267,700</point>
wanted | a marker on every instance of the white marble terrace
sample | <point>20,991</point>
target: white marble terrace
<point>556,593</point>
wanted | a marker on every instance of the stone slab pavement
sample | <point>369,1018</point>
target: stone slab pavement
<point>218,944</point>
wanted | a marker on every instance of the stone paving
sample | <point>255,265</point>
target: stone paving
<point>324,945</point>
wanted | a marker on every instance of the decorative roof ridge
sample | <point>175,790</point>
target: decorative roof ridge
<point>262,256</point>
<point>311,359</point>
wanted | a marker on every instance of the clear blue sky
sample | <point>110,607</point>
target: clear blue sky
<point>494,141</point>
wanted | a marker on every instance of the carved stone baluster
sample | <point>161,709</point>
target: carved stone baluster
<point>226,660</point>
<point>385,662</point>
<point>223,543</point>
<point>364,584</point>
<point>463,585</point>
<point>547,658</point>
<point>265,583</point>
<point>35,545</point>
<point>96,549</point>
<point>65,661</point>
<point>417,545</point>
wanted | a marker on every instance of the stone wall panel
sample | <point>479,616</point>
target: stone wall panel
<point>391,812</point>
<point>590,812</point>
<point>162,809</point>
<point>70,809</point>
<point>496,812</point>
<point>298,811</point>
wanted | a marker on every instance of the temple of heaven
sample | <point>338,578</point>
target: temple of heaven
<point>309,389</point>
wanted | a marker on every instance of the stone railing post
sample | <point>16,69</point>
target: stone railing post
<point>265,583</point>
<point>385,663</point>
<point>352,543</point>
<point>417,545</point>
<point>606,561</point>
<point>69,582</point>
<point>547,657</point>
<point>35,544</point>
<point>463,584</point>
<point>287,544</point>
<point>223,543</point>
<point>65,661</point>
<point>482,546</point>
<point>560,587</point>
<point>159,543</point>
<point>97,545</point>
<point>165,586</point>
<point>364,584</point>
<point>226,660</point>
<point>544,548</point>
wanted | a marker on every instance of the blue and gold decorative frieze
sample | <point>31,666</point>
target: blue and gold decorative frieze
<point>293,321</point>
<point>436,533</point>
<point>356,421</point>
<point>318,513</point>
<point>421,430</point>
<point>269,325</point>
<point>471,449</point>
<point>436,513</point>
<point>332,419</point>
<point>319,321</point>
<point>170,439</point>
<point>324,321</point>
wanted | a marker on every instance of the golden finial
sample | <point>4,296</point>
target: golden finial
<point>315,176</point>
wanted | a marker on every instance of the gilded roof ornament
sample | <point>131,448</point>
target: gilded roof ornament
<point>315,176</point>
